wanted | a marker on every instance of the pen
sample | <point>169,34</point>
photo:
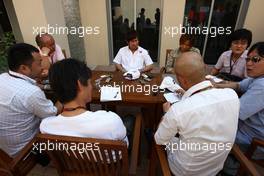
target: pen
<point>116,94</point>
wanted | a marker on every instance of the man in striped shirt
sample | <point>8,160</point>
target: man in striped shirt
<point>22,103</point>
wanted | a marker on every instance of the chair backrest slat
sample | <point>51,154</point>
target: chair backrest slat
<point>99,162</point>
<point>111,160</point>
<point>105,159</point>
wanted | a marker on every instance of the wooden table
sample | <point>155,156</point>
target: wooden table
<point>152,102</point>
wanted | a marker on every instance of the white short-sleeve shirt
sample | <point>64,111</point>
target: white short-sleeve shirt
<point>238,68</point>
<point>133,61</point>
<point>100,124</point>
<point>206,122</point>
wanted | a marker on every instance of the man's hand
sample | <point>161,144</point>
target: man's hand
<point>45,73</point>
<point>180,91</point>
<point>166,107</point>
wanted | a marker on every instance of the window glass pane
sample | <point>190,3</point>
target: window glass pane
<point>122,19</point>
<point>224,16</point>
<point>147,23</point>
<point>196,15</point>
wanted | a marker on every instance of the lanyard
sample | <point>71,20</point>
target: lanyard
<point>231,66</point>
<point>72,109</point>
<point>15,76</point>
<point>204,89</point>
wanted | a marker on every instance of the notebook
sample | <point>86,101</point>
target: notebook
<point>172,97</point>
<point>110,94</point>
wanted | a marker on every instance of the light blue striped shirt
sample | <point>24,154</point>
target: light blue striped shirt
<point>22,104</point>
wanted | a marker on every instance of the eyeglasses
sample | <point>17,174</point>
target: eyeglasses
<point>254,59</point>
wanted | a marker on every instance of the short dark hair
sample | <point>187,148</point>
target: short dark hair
<point>259,46</point>
<point>131,35</point>
<point>20,54</point>
<point>63,76</point>
<point>187,37</point>
<point>241,34</point>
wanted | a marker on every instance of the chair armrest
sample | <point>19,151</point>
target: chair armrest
<point>253,146</point>
<point>24,153</point>
<point>244,162</point>
<point>136,145</point>
<point>162,70</point>
<point>163,160</point>
<point>4,172</point>
<point>258,142</point>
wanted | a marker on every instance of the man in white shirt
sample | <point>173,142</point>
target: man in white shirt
<point>133,57</point>
<point>71,81</point>
<point>205,121</point>
<point>49,50</point>
<point>22,103</point>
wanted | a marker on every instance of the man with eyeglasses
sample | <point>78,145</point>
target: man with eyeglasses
<point>251,115</point>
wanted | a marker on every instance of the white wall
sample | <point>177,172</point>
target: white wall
<point>39,13</point>
<point>27,18</point>
<point>55,16</point>
<point>172,15</point>
<point>94,13</point>
<point>254,20</point>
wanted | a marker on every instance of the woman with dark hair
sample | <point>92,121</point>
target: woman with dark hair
<point>232,64</point>
<point>186,44</point>
<point>71,81</point>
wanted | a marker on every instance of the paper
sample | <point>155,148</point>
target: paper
<point>110,94</point>
<point>170,84</point>
<point>172,97</point>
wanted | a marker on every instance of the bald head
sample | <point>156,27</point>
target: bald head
<point>190,68</point>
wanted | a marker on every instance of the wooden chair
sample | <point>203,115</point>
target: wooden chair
<point>159,154</point>
<point>20,165</point>
<point>254,145</point>
<point>249,153</point>
<point>163,69</point>
<point>246,166</point>
<point>101,157</point>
